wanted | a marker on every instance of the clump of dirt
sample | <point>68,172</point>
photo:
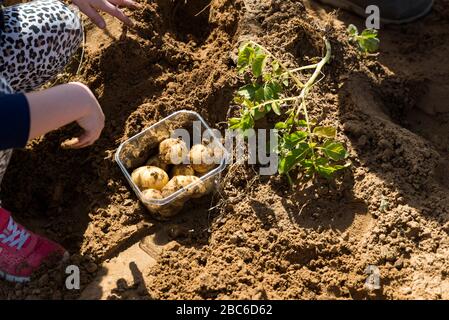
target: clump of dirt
<point>258,238</point>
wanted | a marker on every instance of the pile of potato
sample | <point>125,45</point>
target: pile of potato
<point>165,173</point>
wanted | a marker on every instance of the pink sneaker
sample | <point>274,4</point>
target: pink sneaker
<point>23,252</point>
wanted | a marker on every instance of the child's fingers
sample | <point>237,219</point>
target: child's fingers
<point>94,16</point>
<point>126,3</point>
<point>83,141</point>
<point>82,144</point>
<point>87,139</point>
<point>115,12</point>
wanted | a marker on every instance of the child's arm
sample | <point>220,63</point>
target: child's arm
<point>55,107</point>
<point>27,116</point>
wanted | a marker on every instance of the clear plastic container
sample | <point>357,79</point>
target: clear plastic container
<point>135,151</point>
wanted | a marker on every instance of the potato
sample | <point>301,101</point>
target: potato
<point>173,151</point>
<point>182,170</point>
<point>149,177</point>
<point>133,156</point>
<point>201,158</point>
<point>151,194</point>
<point>178,182</point>
<point>68,144</point>
<point>161,211</point>
<point>156,161</point>
<point>218,154</point>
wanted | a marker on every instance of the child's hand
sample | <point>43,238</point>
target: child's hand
<point>55,107</point>
<point>92,121</point>
<point>91,7</point>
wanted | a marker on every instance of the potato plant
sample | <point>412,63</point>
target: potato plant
<point>275,89</point>
<point>367,41</point>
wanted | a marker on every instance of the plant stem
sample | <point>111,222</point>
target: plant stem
<point>318,68</point>
<point>309,85</point>
<point>311,66</point>
<point>276,100</point>
<point>311,81</point>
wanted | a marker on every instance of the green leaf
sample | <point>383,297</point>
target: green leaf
<point>258,114</point>
<point>306,163</point>
<point>370,45</point>
<point>367,41</point>
<point>284,165</point>
<point>276,67</point>
<point>275,88</point>
<point>267,77</point>
<point>246,54</point>
<point>328,171</point>
<point>234,122</point>
<point>252,92</point>
<point>268,92</point>
<point>238,99</point>
<point>248,104</point>
<point>291,140</point>
<point>248,91</point>
<point>291,120</point>
<point>321,161</point>
<point>258,64</point>
<point>258,50</point>
<point>322,166</point>
<point>301,123</point>
<point>353,31</point>
<point>325,132</point>
<point>247,121</point>
<point>293,158</point>
<point>259,95</point>
<point>312,145</point>
<point>334,150</point>
<point>276,108</point>
<point>325,171</point>
<point>369,33</point>
<point>281,126</point>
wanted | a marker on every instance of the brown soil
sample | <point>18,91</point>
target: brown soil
<point>262,239</point>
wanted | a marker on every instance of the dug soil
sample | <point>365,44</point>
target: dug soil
<point>387,216</point>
